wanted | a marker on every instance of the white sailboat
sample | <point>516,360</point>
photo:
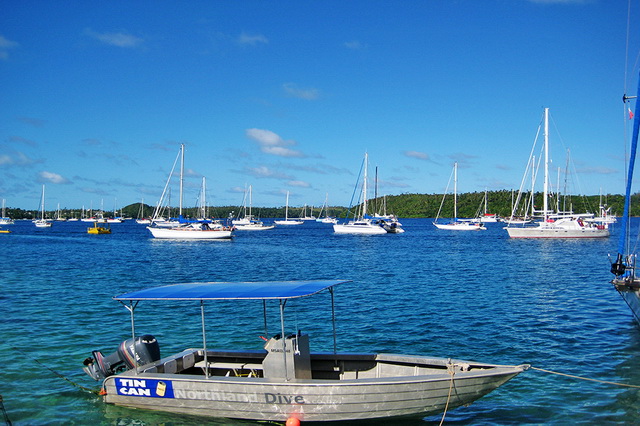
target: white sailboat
<point>42,222</point>
<point>142,219</point>
<point>456,224</point>
<point>556,225</point>
<point>325,209</point>
<point>5,220</point>
<point>186,229</point>
<point>361,224</point>
<point>286,220</point>
<point>250,223</point>
<point>488,217</point>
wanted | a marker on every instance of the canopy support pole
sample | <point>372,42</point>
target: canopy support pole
<point>204,341</point>
<point>333,321</point>
<point>284,340</point>
<point>131,307</point>
<point>264,313</point>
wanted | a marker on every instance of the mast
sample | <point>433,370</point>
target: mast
<point>455,190</point>
<point>181,175</point>
<point>42,202</point>
<point>286,208</point>
<point>364,185</point>
<point>546,164</point>
<point>250,203</point>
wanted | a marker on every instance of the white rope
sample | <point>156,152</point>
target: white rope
<point>585,378</point>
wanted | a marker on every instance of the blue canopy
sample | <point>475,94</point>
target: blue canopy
<point>232,290</point>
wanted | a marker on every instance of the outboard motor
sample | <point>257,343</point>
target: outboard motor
<point>146,350</point>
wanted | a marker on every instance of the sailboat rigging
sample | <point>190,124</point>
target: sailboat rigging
<point>456,224</point>
<point>361,224</point>
<point>626,281</point>
<point>556,224</point>
<point>185,229</point>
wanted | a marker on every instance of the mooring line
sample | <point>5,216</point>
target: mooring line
<point>93,391</point>
<point>585,378</point>
<point>4,412</point>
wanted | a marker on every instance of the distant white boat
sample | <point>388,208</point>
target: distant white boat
<point>42,222</point>
<point>555,225</point>
<point>361,224</point>
<point>142,219</point>
<point>248,222</point>
<point>456,224</point>
<point>286,220</point>
<point>325,209</point>
<point>186,229</point>
<point>4,220</point>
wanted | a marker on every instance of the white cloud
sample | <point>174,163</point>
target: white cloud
<point>271,143</point>
<point>119,39</point>
<point>353,44</point>
<point>417,154</point>
<point>265,172</point>
<point>291,89</point>
<point>52,177</point>
<point>5,45</point>
<point>299,183</point>
<point>252,40</point>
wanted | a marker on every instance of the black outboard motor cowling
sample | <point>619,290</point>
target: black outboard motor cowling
<point>127,356</point>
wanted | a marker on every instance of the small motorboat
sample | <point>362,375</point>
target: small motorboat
<point>284,379</point>
<point>95,229</point>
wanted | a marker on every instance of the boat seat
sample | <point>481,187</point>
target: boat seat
<point>234,367</point>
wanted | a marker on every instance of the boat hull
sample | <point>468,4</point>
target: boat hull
<point>540,232</point>
<point>460,226</point>
<point>630,292</point>
<point>258,398</point>
<point>189,234</point>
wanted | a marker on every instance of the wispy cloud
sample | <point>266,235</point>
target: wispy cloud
<point>597,170</point>
<point>35,122</point>
<point>271,143</point>
<point>5,46</point>
<point>265,172</point>
<point>417,154</point>
<point>119,39</point>
<point>299,183</point>
<point>251,39</point>
<point>310,94</point>
<point>354,44</point>
<point>51,177</point>
<point>23,141</point>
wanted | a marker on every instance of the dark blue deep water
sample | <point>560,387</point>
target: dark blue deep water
<point>469,295</point>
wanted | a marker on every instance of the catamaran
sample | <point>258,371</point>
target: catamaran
<point>284,379</point>
<point>557,225</point>
<point>362,223</point>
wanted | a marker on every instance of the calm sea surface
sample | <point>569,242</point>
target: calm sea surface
<point>469,295</point>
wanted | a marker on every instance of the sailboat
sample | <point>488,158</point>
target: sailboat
<point>286,220</point>
<point>626,281</point>
<point>325,209</point>
<point>187,229</point>
<point>456,224</point>
<point>250,223</point>
<point>557,225</point>
<point>142,219</point>
<point>488,217</point>
<point>42,222</point>
<point>361,224</point>
<point>4,220</point>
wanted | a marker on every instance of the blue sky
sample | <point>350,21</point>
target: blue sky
<point>288,96</point>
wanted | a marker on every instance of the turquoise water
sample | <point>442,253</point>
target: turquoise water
<point>470,295</point>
